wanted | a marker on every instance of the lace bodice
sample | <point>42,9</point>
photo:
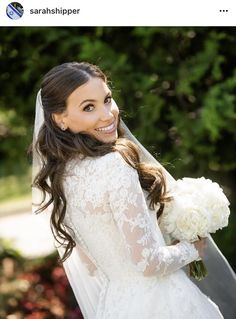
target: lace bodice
<point>107,210</point>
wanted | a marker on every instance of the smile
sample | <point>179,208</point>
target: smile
<point>107,129</point>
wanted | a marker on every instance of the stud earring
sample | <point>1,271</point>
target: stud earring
<point>63,127</point>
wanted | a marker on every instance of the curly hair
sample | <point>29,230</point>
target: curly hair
<point>56,147</point>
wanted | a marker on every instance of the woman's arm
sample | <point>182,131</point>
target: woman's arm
<point>132,217</point>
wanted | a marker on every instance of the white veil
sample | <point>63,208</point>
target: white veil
<point>219,285</point>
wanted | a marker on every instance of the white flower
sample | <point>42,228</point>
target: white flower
<point>199,207</point>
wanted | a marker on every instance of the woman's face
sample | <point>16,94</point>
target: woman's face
<point>91,109</point>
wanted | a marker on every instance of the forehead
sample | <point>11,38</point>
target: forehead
<point>93,89</point>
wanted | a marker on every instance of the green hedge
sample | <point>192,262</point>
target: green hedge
<point>175,86</point>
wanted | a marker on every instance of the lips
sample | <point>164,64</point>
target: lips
<point>107,129</point>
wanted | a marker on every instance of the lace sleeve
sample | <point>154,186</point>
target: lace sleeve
<point>131,215</point>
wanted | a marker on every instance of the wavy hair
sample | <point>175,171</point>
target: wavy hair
<point>56,147</point>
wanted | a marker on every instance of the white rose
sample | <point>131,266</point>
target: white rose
<point>199,207</point>
<point>183,220</point>
<point>219,218</point>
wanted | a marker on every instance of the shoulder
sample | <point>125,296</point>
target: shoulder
<point>109,158</point>
<point>114,167</point>
<point>105,173</point>
<point>106,166</point>
<point>113,160</point>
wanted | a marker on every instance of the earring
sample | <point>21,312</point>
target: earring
<point>63,127</point>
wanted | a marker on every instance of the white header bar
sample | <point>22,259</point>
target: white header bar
<point>118,13</point>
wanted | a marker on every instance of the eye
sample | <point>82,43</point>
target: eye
<point>88,108</point>
<point>108,99</point>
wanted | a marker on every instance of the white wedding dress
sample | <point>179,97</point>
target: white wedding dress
<point>120,238</point>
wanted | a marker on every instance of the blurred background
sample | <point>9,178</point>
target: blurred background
<point>176,91</point>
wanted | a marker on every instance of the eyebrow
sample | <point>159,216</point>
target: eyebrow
<point>91,100</point>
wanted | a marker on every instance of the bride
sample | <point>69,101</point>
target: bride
<point>100,186</point>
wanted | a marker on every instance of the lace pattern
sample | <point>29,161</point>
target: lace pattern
<point>108,212</point>
<point>108,183</point>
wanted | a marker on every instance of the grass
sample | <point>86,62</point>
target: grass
<point>15,191</point>
<point>12,186</point>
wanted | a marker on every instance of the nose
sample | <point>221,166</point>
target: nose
<point>106,113</point>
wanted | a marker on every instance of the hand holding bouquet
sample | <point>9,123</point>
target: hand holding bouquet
<point>198,208</point>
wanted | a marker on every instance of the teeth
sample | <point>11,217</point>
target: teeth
<point>108,128</point>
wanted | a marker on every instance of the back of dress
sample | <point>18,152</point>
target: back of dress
<point>108,213</point>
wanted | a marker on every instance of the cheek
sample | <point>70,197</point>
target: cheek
<point>81,121</point>
<point>114,108</point>
<point>87,121</point>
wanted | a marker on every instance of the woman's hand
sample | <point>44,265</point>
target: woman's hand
<point>200,245</point>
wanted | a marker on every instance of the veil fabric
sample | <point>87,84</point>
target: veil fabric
<point>89,290</point>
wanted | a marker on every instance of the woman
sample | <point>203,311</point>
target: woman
<point>102,197</point>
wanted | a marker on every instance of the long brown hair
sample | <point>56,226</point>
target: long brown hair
<point>56,147</point>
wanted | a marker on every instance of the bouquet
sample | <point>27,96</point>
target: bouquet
<point>198,208</point>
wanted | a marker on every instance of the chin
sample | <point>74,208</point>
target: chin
<point>109,139</point>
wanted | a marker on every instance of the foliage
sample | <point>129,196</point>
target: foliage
<point>34,289</point>
<point>15,185</point>
<point>175,88</point>
<point>175,85</point>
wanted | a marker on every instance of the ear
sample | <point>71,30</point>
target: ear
<point>59,119</point>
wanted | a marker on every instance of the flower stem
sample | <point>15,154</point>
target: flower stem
<point>198,270</point>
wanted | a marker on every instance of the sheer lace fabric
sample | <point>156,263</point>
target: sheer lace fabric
<point>117,237</point>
